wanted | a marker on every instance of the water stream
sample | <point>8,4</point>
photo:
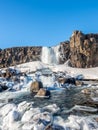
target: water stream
<point>66,100</point>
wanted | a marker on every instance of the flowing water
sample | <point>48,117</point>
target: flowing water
<point>65,99</point>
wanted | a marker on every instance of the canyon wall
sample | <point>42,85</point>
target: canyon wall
<point>84,50</point>
<point>81,49</point>
<point>18,55</point>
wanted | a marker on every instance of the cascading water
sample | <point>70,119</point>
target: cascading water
<point>49,56</point>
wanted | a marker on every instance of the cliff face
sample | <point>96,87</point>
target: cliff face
<point>17,55</point>
<point>84,50</point>
<point>64,52</point>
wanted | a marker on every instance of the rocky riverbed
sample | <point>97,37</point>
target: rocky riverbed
<point>71,106</point>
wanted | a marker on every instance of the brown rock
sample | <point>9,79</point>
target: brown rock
<point>66,80</point>
<point>86,91</point>
<point>96,119</point>
<point>64,52</point>
<point>78,83</point>
<point>84,50</point>
<point>36,86</point>
<point>43,92</point>
<point>62,80</point>
<point>49,128</point>
<point>18,55</point>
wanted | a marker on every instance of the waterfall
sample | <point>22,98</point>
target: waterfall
<point>49,55</point>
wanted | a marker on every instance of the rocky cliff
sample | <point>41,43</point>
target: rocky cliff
<point>18,55</point>
<point>64,52</point>
<point>81,49</point>
<point>84,50</point>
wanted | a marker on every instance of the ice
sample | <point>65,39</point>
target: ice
<point>28,126</point>
<point>58,120</point>
<point>84,108</point>
<point>94,99</point>
<point>24,106</point>
<point>29,114</point>
<point>52,108</point>
<point>26,116</point>
<point>81,123</point>
<point>7,108</point>
<point>39,127</point>
<point>49,56</point>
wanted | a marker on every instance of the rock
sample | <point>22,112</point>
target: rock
<point>43,92</point>
<point>86,91</point>
<point>64,51</point>
<point>4,87</point>
<point>83,50</point>
<point>17,55</point>
<point>96,119</point>
<point>66,80</point>
<point>0,89</point>
<point>55,127</point>
<point>78,83</point>
<point>10,100</point>
<point>49,128</point>
<point>36,86</point>
<point>62,80</point>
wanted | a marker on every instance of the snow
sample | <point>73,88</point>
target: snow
<point>30,66</point>
<point>89,73</point>
<point>24,116</point>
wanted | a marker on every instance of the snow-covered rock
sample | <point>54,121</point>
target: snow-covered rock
<point>23,106</point>
<point>7,108</point>
<point>28,115</point>
<point>52,108</point>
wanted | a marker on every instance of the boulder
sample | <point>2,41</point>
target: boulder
<point>66,80</point>
<point>78,83</point>
<point>36,86</point>
<point>43,92</point>
<point>86,91</point>
<point>4,87</point>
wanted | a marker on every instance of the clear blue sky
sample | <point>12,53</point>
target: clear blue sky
<point>45,22</point>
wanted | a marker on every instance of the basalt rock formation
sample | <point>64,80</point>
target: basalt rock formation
<point>64,50</point>
<point>18,55</point>
<point>81,49</point>
<point>84,50</point>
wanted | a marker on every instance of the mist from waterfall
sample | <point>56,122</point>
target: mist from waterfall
<point>49,55</point>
